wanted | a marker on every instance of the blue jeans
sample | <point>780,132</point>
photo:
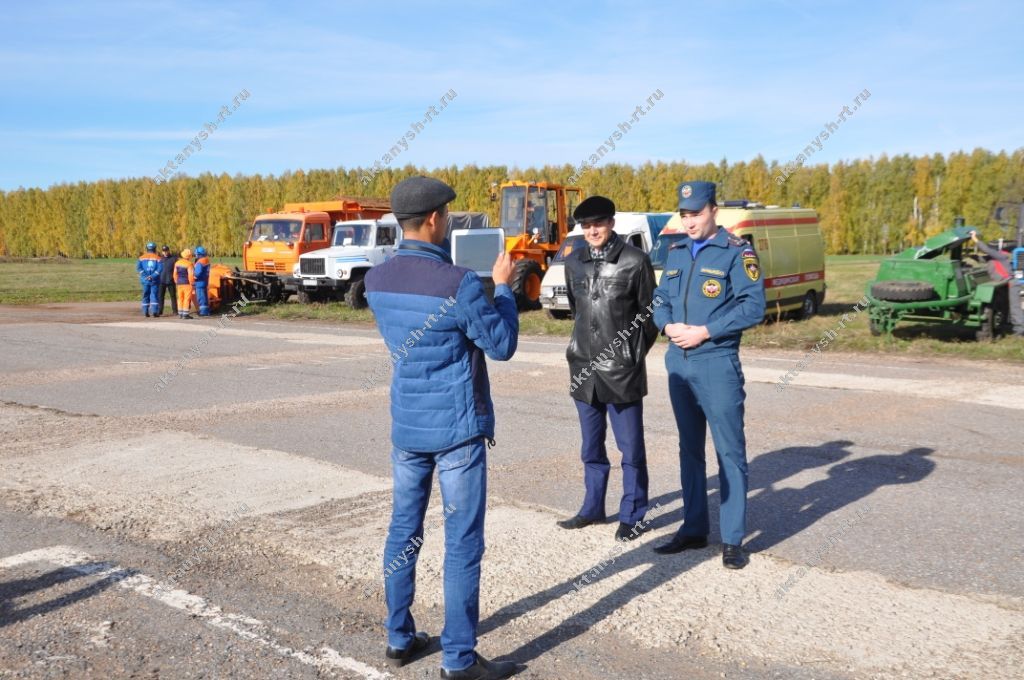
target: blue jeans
<point>462,473</point>
<point>628,427</point>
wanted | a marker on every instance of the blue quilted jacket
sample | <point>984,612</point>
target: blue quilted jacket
<point>438,325</point>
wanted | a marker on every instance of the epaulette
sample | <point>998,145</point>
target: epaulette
<point>735,240</point>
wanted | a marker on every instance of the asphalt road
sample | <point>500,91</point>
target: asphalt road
<point>884,513</point>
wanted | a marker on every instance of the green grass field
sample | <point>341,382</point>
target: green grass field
<point>24,282</point>
<point>52,280</point>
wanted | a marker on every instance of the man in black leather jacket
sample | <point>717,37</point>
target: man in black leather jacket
<point>610,286</point>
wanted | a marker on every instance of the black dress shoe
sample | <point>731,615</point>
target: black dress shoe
<point>578,522</point>
<point>400,657</point>
<point>483,670</point>
<point>680,543</point>
<point>628,532</point>
<point>733,557</point>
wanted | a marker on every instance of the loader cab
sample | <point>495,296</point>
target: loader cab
<point>538,210</point>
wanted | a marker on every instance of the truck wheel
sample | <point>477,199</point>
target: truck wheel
<point>560,314</point>
<point>525,284</point>
<point>355,296</point>
<point>809,307</point>
<point>902,291</point>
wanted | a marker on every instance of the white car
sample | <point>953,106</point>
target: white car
<point>337,272</point>
<point>638,229</point>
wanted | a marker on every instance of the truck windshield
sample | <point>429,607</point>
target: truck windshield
<point>352,235</point>
<point>659,253</point>
<point>570,244</point>
<point>276,230</point>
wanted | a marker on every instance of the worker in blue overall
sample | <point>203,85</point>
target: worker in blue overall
<point>148,268</point>
<point>710,291</point>
<point>439,326</point>
<point>202,279</point>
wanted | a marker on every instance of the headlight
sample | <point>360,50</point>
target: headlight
<point>340,274</point>
<point>295,269</point>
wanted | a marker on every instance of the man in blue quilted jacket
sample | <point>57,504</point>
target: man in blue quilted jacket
<point>438,326</point>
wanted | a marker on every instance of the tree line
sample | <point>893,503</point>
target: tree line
<point>878,205</point>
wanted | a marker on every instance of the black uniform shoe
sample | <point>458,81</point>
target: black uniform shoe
<point>399,657</point>
<point>147,315</point>
<point>680,543</point>
<point>628,532</point>
<point>578,522</point>
<point>733,557</point>
<point>483,670</point>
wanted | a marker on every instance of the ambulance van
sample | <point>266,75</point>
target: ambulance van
<point>788,243</point>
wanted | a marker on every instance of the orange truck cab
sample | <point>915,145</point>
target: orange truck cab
<point>270,256</point>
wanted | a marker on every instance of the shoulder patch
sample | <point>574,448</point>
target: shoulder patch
<point>748,252</point>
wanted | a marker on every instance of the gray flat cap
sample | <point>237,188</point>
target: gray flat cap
<point>419,196</point>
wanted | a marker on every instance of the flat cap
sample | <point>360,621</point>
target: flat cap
<point>593,209</point>
<point>695,195</point>
<point>418,196</point>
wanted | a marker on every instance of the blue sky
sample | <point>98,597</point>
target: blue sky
<point>112,90</point>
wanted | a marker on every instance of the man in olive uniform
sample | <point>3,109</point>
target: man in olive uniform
<point>711,290</point>
<point>610,286</point>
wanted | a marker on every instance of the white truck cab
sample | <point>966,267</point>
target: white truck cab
<point>637,229</point>
<point>337,272</point>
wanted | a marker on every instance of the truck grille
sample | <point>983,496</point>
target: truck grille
<point>312,266</point>
<point>269,266</point>
<point>561,290</point>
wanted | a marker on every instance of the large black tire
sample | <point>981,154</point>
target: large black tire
<point>903,291</point>
<point>993,318</point>
<point>809,307</point>
<point>355,296</point>
<point>525,284</point>
<point>987,331</point>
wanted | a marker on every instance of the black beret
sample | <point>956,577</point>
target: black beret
<point>594,208</point>
<point>418,196</point>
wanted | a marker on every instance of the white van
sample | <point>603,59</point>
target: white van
<point>636,228</point>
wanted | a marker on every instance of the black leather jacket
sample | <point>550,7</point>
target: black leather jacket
<point>614,330</point>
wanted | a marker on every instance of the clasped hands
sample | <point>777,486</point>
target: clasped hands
<point>686,336</point>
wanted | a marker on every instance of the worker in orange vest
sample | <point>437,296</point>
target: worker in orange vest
<point>184,279</point>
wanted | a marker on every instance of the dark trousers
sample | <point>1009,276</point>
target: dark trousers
<point>628,427</point>
<point>164,289</point>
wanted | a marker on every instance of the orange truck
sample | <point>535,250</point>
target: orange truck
<point>270,256</point>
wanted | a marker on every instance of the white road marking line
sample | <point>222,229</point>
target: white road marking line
<point>246,627</point>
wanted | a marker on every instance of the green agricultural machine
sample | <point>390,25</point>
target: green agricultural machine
<point>939,283</point>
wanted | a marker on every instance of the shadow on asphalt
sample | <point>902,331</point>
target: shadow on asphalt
<point>792,511</point>
<point>11,591</point>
